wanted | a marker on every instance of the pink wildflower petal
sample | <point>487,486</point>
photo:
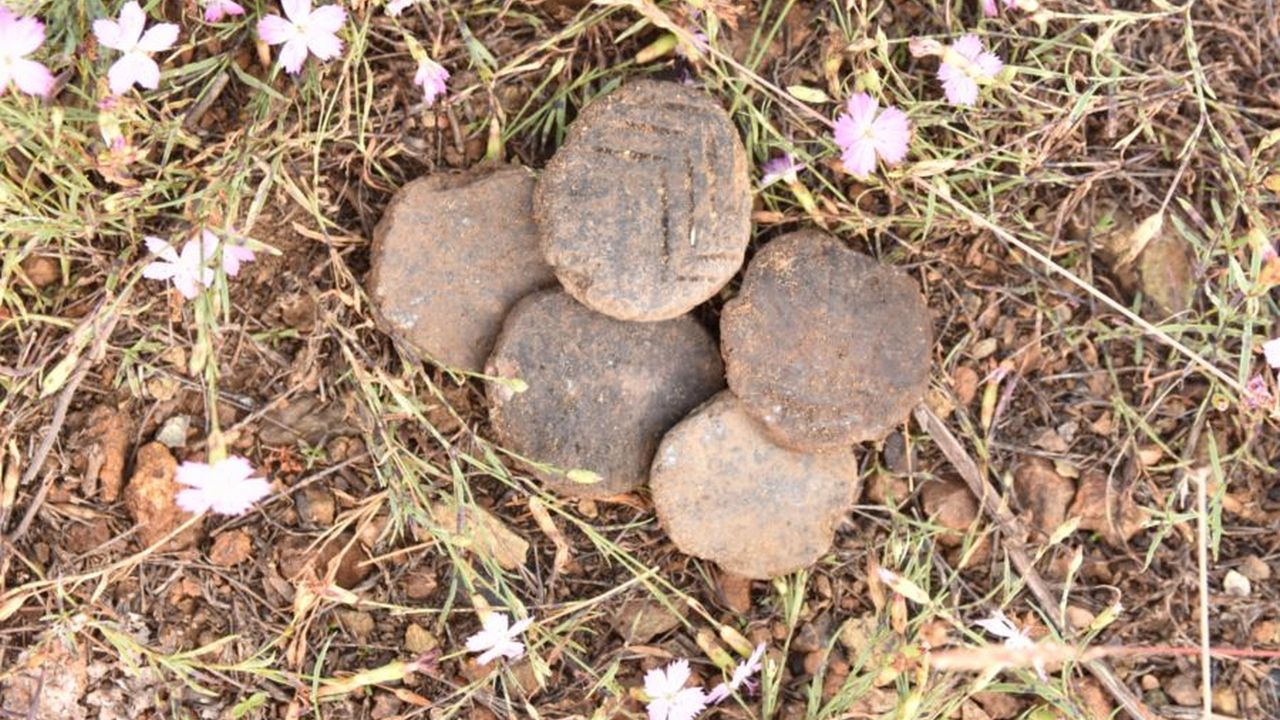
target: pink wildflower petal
<point>161,248</point>
<point>293,54</point>
<point>891,135</point>
<point>274,30</point>
<point>296,10</point>
<point>395,7</point>
<point>31,77</point>
<point>958,86</point>
<point>109,33</point>
<point>193,501</point>
<point>968,45</point>
<point>862,108</point>
<point>159,270</point>
<point>186,285</point>
<point>326,19</point>
<point>989,8</point>
<point>133,68</point>
<point>325,46</point>
<point>989,64</point>
<point>431,76</point>
<point>860,158</point>
<point>233,256</point>
<point>22,36</point>
<point>159,37</point>
<point>217,10</point>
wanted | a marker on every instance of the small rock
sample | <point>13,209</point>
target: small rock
<point>359,624</point>
<point>814,660</point>
<point>885,488</point>
<point>419,584</point>
<point>999,706</point>
<point>1045,495</point>
<point>46,682</point>
<point>304,419</point>
<point>810,637</point>
<point>385,706</point>
<point>40,270</point>
<point>315,506</point>
<point>82,538</point>
<point>1097,703</point>
<point>1225,701</point>
<point>970,710</point>
<point>231,548</point>
<point>949,504</point>
<point>1266,632</point>
<point>1079,618</point>
<point>295,557</point>
<point>719,484</point>
<point>1255,569</point>
<point>1149,682</point>
<point>419,640</point>
<point>150,499</point>
<point>639,621</point>
<point>1166,274</point>
<point>965,381</point>
<point>1236,584</point>
<point>735,590</point>
<point>173,434</point>
<point>1183,690</point>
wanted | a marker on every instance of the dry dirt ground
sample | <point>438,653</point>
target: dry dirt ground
<point>1089,383</point>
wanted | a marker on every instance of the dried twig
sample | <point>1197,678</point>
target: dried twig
<point>1014,532</point>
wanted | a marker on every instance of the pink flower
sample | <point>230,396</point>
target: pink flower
<point>783,167</point>
<point>135,66</point>
<point>187,271</point>
<point>864,132</point>
<point>964,65</point>
<point>19,37</point>
<point>1256,393</point>
<point>217,10</point>
<point>669,699</point>
<point>1271,349</point>
<point>498,638</point>
<point>741,674</point>
<point>234,252</point>
<point>225,487</point>
<point>395,7</point>
<point>990,10</point>
<point>306,30</point>
<point>432,77</point>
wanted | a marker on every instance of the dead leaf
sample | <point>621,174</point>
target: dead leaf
<point>549,528</point>
<point>639,621</point>
<point>482,532</point>
<point>1044,494</point>
<point>1114,515</point>
<point>1166,274</point>
<point>106,440</point>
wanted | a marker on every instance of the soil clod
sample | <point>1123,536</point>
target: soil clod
<point>599,392</point>
<point>645,211</point>
<point>725,492</point>
<point>452,254</point>
<point>824,345</point>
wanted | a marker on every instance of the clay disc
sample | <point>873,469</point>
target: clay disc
<point>825,346</point>
<point>451,255</point>
<point>725,492</point>
<point>645,211</point>
<point>600,392</point>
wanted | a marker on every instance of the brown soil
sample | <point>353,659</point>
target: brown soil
<point>451,256</point>
<point>726,493</point>
<point>645,209</point>
<point>824,345</point>
<point>601,392</point>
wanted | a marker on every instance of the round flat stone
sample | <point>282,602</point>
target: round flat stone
<point>600,392</point>
<point>645,211</point>
<point>725,492</point>
<point>451,255</point>
<point>825,346</point>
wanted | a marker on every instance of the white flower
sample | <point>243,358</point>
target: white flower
<point>1014,639</point>
<point>135,65</point>
<point>1272,350</point>
<point>187,271</point>
<point>226,487</point>
<point>497,639</point>
<point>395,7</point>
<point>669,699</point>
<point>741,674</point>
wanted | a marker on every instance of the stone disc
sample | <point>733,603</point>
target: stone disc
<point>451,255</point>
<point>725,492</point>
<point>825,346</point>
<point>600,392</point>
<point>645,211</point>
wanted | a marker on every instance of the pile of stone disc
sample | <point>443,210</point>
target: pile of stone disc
<point>642,215</point>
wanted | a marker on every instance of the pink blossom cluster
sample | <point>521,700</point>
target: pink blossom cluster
<point>191,268</point>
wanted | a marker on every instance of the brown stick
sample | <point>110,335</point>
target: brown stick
<point>1014,532</point>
